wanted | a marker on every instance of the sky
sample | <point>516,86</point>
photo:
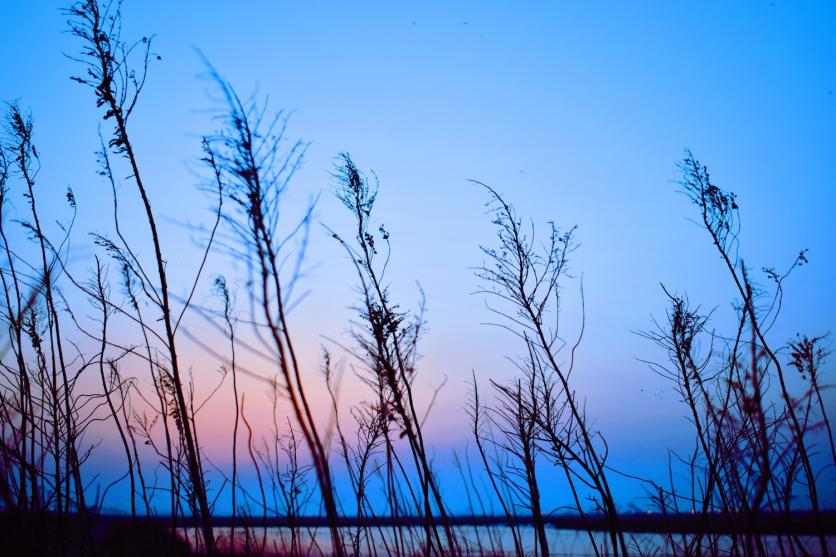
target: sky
<point>577,112</point>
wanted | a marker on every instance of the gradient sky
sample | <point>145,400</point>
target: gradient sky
<point>578,112</point>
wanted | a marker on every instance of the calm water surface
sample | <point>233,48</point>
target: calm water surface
<point>475,540</point>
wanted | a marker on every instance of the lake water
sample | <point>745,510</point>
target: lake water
<point>474,540</point>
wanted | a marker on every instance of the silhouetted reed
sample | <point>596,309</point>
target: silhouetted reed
<point>117,84</point>
<point>751,454</point>
<point>95,352</point>
<point>526,281</point>
<point>388,341</point>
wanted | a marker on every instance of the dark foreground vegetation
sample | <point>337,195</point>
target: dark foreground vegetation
<point>753,483</point>
<point>122,535</point>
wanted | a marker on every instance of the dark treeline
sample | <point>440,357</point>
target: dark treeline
<point>632,522</point>
<point>756,478</point>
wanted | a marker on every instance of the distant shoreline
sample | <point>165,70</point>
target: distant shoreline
<point>802,522</point>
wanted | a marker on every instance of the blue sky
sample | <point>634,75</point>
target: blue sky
<point>578,112</point>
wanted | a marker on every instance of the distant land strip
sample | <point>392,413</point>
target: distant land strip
<point>800,522</point>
